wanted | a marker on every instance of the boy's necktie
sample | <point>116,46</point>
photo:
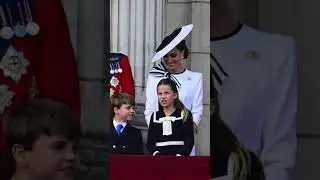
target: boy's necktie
<point>119,128</point>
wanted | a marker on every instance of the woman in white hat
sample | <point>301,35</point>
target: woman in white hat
<point>168,57</point>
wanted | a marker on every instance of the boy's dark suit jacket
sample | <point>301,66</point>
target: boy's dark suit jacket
<point>129,142</point>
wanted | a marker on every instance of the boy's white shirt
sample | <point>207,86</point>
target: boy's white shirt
<point>115,124</point>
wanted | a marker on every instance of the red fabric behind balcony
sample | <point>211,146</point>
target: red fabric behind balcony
<point>159,168</point>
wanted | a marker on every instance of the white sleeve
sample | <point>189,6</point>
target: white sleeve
<point>151,99</point>
<point>197,104</point>
<point>279,136</point>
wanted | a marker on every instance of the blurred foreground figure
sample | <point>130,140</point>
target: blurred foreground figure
<point>255,74</point>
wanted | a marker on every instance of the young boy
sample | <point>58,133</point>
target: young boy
<point>41,141</point>
<point>125,139</point>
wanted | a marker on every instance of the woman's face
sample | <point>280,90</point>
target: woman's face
<point>173,60</point>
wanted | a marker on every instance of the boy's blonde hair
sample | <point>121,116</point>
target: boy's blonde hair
<point>120,99</point>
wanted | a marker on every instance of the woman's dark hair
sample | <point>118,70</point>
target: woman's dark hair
<point>183,47</point>
<point>177,103</point>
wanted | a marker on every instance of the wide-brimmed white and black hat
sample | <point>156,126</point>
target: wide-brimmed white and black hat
<point>171,41</point>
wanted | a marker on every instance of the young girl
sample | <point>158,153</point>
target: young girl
<point>171,128</point>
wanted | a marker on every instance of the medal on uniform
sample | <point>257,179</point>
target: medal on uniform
<point>114,82</point>
<point>32,28</point>
<point>118,68</point>
<point>19,29</point>
<point>5,97</point>
<point>111,69</point>
<point>5,32</point>
<point>14,64</point>
<point>115,68</point>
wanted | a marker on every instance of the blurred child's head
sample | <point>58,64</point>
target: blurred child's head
<point>41,140</point>
<point>123,106</point>
<point>167,93</point>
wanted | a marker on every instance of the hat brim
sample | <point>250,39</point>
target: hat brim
<point>185,30</point>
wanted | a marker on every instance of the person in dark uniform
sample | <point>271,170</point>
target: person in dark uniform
<point>125,139</point>
<point>171,129</point>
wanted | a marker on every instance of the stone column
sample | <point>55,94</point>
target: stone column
<point>90,61</point>
<point>136,33</point>
<point>123,26</point>
<point>87,31</point>
<point>200,60</point>
<point>141,31</point>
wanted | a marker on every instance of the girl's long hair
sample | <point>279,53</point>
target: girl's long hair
<point>177,103</point>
